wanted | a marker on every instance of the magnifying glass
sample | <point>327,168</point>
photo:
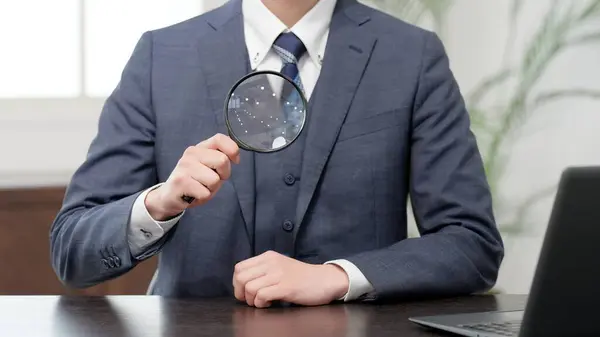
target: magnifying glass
<point>265,112</point>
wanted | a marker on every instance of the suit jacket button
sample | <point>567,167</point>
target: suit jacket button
<point>105,264</point>
<point>111,262</point>
<point>288,226</point>
<point>117,261</point>
<point>289,179</point>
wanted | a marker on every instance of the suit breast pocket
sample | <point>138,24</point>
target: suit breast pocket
<point>372,124</point>
<point>381,137</point>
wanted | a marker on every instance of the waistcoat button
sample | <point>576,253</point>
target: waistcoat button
<point>288,226</point>
<point>289,179</point>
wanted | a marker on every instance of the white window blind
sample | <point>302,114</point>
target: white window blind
<point>77,48</point>
<point>39,52</point>
<point>112,28</point>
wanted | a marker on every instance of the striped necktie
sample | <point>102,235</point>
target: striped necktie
<point>290,49</point>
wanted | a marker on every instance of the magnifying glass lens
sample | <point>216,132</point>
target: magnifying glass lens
<point>265,112</point>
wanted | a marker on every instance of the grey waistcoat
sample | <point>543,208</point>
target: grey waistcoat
<point>277,185</point>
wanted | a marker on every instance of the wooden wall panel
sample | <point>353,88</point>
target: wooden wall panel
<point>25,269</point>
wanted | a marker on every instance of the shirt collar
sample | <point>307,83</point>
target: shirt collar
<point>263,28</point>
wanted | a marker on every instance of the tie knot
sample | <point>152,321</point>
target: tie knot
<point>289,47</point>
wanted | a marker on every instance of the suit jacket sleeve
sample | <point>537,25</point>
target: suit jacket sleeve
<point>460,249</point>
<point>89,235</point>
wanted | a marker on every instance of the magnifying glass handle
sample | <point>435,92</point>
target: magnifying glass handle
<point>187,199</point>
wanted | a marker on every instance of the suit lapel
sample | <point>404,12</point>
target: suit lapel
<point>224,60</point>
<point>348,51</point>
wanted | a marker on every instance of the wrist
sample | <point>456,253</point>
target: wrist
<point>339,280</point>
<point>153,205</point>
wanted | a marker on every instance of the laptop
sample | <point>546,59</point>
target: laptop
<point>565,294</point>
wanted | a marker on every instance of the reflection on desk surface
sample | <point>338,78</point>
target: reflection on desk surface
<point>47,316</point>
<point>333,320</point>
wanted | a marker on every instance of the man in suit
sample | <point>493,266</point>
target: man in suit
<point>323,220</point>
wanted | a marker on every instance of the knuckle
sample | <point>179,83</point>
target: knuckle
<point>240,294</point>
<point>214,180</point>
<point>260,295</point>
<point>189,151</point>
<point>238,279</point>
<point>270,254</point>
<point>183,163</point>
<point>226,175</point>
<point>204,193</point>
<point>178,179</point>
<point>223,161</point>
<point>219,137</point>
<point>234,149</point>
<point>252,289</point>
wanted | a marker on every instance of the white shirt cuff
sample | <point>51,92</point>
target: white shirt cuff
<point>359,285</point>
<point>143,230</point>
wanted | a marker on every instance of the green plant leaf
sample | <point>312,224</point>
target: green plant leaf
<point>543,48</point>
<point>489,83</point>
<point>592,9</point>
<point>583,39</point>
<point>516,7</point>
<point>513,229</point>
<point>438,9</point>
<point>404,9</point>
<point>479,121</point>
<point>551,96</point>
<point>413,11</point>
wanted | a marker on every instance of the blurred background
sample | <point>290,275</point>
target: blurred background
<point>529,71</point>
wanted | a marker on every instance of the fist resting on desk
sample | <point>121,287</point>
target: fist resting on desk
<point>271,276</point>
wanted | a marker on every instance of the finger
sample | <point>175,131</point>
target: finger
<point>185,185</point>
<point>200,201</point>
<point>254,261</point>
<point>224,144</point>
<point>213,159</point>
<point>216,160</point>
<point>265,296</point>
<point>241,279</point>
<point>204,176</point>
<point>239,292</point>
<point>253,287</point>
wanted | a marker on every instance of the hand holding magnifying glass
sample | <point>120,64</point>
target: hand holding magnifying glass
<point>199,174</point>
<point>264,112</point>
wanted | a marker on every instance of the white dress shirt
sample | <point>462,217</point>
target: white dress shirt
<point>261,30</point>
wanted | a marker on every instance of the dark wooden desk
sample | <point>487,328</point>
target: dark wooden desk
<point>46,316</point>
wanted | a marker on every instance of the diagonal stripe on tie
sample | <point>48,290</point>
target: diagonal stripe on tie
<point>290,49</point>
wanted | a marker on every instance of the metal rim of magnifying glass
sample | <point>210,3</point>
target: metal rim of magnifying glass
<point>241,143</point>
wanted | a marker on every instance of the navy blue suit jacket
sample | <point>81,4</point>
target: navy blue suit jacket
<point>390,121</point>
